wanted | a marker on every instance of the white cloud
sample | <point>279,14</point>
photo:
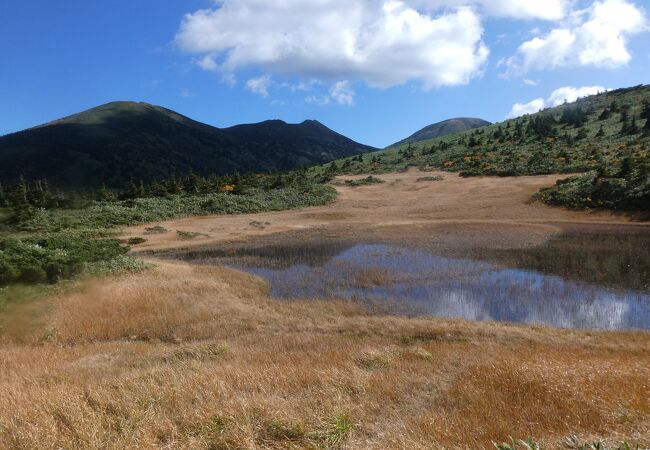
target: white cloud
<point>342,93</point>
<point>521,109</point>
<point>229,78</point>
<point>570,94</point>
<point>598,38</point>
<point>302,85</point>
<point>320,100</point>
<point>381,42</point>
<point>559,96</point>
<point>208,63</point>
<point>260,85</point>
<point>528,82</point>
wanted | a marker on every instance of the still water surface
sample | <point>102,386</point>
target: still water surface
<point>416,282</point>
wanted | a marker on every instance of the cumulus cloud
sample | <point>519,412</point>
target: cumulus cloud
<point>571,94</point>
<point>381,42</point>
<point>260,85</point>
<point>559,96</point>
<point>521,109</point>
<point>598,39</point>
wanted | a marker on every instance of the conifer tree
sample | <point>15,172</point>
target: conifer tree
<point>3,198</point>
<point>646,128</point>
<point>21,210</point>
<point>103,194</point>
<point>645,114</point>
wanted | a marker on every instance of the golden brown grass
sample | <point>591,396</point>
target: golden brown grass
<point>199,357</point>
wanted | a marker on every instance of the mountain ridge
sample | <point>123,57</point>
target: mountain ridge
<point>117,141</point>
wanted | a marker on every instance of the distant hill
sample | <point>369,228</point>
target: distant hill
<point>444,128</point>
<point>118,141</point>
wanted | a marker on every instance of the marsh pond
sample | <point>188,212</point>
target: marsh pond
<point>587,281</point>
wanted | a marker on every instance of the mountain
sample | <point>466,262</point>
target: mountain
<point>444,128</point>
<point>118,141</point>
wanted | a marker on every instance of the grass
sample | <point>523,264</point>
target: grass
<point>199,357</point>
<point>572,443</point>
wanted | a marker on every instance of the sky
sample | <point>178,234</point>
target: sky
<point>373,70</point>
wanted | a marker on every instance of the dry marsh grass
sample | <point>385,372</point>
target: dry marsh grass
<point>199,357</point>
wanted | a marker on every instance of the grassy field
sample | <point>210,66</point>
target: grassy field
<point>200,357</point>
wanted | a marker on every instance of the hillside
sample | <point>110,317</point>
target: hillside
<point>606,136</point>
<point>122,140</point>
<point>444,128</point>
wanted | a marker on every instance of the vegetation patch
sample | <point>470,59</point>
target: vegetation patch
<point>431,178</point>
<point>364,181</point>
<point>624,188</point>
<point>47,236</point>
<point>53,257</point>
<point>156,230</point>
<point>258,224</point>
<point>200,352</point>
<point>373,361</point>
<point>189,234</point>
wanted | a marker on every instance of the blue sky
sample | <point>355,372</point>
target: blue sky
<point>374,70</point>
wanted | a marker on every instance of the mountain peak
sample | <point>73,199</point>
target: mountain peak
<point>444,128</point>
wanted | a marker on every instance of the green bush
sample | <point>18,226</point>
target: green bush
<point>592,190</point>
<point>101,216</point>
<point>52,258</point>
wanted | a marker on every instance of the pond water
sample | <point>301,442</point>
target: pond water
<point>415,282</point>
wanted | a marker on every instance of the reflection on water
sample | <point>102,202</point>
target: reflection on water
<point>407,281</point>
<point>615,258</point>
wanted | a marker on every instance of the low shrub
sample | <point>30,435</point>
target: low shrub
<point>52,258</point>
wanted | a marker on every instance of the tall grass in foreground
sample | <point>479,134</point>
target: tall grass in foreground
<point>199,357</point>
<point>572,443</point>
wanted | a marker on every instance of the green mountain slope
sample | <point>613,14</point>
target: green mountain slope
<point>444,128</point>
<point>606,136</point>
<point>122,140</point>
